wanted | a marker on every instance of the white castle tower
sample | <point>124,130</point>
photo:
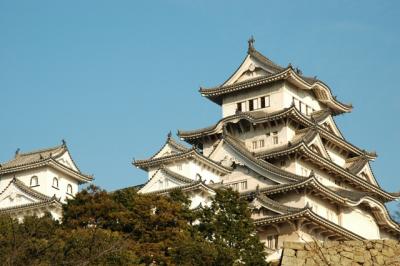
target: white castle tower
<point>39,181</point>
<point>278,145</point>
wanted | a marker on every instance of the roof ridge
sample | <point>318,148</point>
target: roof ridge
<point>268,166</point>
<point>41,150</point>
<point>276,204</point>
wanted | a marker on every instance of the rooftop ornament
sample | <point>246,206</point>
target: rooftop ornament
<point>251,42</point>
<point>17,152</point>
<point>298,71</point>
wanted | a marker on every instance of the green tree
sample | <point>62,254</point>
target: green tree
<point>227,224</point>
<point>43,241</point>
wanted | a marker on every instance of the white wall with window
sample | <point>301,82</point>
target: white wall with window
<point>44,181</point>
<point>268,98</point>
<point>305,101</point>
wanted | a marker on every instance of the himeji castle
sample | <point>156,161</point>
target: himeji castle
<point>40,181</point>
<point>278,145</point>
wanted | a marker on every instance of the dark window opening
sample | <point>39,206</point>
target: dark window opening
<point>239,107</point>
<point>262,102</point>
<point>251,106</point>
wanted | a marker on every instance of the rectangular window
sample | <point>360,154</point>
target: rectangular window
<point>255,104</point>
<point>267,101</point>
<point>243,185</point>
<point>254,145</point>
<point>239,107</point>
<point>179,167</point>
<point>296,103</point>
<point>251,106</point>
<point>275,139</point>
<point>262,102</point>
<point>261,143</point>
<point>272,242</point>
<point>235,186</point>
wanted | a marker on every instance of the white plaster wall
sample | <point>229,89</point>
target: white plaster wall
<point>45,177</point>
<point>66,160</point>
<point>323,208</point>
<point>321,176</point>
<point>273,90</point>
<point>191,168</point>
<point>262,134</point>
<point>55,212</point>
<point>199,197</point>
<point>336,157</point>
<point>360,222</point>
<point>306,97</point>
<point>253,179</point>
<point>292,199</point>
<point>159,182</point>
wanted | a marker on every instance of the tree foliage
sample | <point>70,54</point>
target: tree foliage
<point>127,228</point>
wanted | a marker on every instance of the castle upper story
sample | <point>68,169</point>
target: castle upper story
<point>259,84</point>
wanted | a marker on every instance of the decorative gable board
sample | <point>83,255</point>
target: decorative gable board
<point>318,146</point>
<point>259,208</point>
<point>366,173</point>
<point>250,68</point>
<point>329,124</point>
<point>66,160</point>
<point>161,181</point>
<point>166,150</point>
<point>225,154</point>
<point>14,197</point>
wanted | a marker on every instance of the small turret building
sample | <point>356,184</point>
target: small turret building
<point>278,145</point>
<point>40,181</point>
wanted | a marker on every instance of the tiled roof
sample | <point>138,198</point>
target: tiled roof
<point>311,216</point>
<point>261,117</point>
<point>43,200</point>
<point>322,91</point>
<point>189,187</point>
<point>236,145</point>
<point>39,158</point>
<point>274,205</point>
<point>34,156</point>
<point>192,153</point>
<point>170,141</point>
<point>20,185</point>
<point>30,206</point>
<point>272,65</point>
<point>339,195</point>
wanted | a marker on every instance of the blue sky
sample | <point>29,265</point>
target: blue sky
<point>114,77</point>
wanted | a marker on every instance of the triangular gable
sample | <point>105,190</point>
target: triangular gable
<point>253,180</point>
<point>329,124</point>
<point>17,194</point>
<point>367,174</point>
<point>162,180</point>
<point>258,205</point>
<point>317,146</point>
<point>170,147</point>
<point>250,68</point>
<point>66,159</point>
<point>226,155</point>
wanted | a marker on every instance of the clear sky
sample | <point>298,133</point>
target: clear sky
<point>114,77</point>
